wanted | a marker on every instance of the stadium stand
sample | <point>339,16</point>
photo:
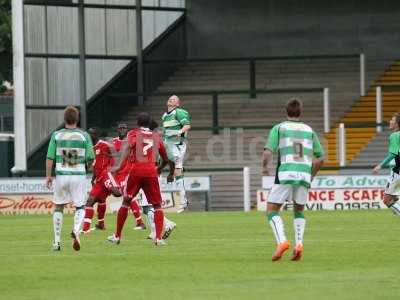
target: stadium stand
<point>254,114</point>
<point>363,112</point>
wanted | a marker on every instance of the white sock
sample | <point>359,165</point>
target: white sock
<point>57,225</point>
<point>168,223</point>
<point>182,192</point>
<point>78,219</point>
<point>396,208</point>
<point>278,229</point>
<point>299,226</point>
<point>150,217</point>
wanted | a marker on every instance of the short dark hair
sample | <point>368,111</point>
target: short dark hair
<point>144,120</point>
<point>153,125</point>
<point>71,115</point>
<point>95,130</point>
<point>397,118</point>
<point>294,108</point>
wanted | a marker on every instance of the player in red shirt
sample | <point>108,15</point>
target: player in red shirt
<point>142,148</point>
<point>117,141</point>
<point>103,160</point>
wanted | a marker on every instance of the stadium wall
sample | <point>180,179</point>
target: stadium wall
<point>274,27</point>
<point>53,30</point>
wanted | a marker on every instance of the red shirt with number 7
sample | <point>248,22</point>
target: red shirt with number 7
<point>145,145</point>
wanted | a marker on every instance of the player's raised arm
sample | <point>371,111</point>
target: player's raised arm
<point>165,161</point>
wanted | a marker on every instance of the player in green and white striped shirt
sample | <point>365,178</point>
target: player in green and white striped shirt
<point>392,191</point>
<point>175,125</point>
<point>71,150</point>
<point>299,159</point>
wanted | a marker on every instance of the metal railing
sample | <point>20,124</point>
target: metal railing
<point>214,95</point>
<point>252,65</point>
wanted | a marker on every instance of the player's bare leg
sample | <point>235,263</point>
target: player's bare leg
<point>299,223</point>
<point>121,218</point>
<point>277,227</point>
<point>57,226</point>
<point>392,203</point>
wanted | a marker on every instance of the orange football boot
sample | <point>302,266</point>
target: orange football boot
<point>280,249</point>
<point>297,252</point>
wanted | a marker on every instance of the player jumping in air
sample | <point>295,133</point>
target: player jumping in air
<point>176,124</point>
<point>299,159</point>
<point>393,187</point>
<point>141,149</point>
<point>71,150</point>
<point>117,141</point>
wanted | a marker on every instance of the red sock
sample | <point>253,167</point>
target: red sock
<point>101,212</point>
<point>136,212</point>
<point>122,214</point>
<point>159,221</point>
<point>89,212</point>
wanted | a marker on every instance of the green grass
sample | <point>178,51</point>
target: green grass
<point>348,255</point>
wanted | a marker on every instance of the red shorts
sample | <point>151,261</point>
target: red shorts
<point>149,185</point>
<point>104,184</point>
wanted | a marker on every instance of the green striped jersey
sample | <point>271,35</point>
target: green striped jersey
<point>71,149</point>
<point>172,122</point>
<point>394,148</point>
<point>296,144</point>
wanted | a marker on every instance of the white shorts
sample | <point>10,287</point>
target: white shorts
<point>70,188</point>
<point>287,192</point>
<point>178,153</point>
<point>393,186</point>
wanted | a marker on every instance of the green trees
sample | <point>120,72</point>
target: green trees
<point>5,43</point>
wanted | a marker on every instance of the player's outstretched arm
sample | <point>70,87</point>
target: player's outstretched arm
<point>125,149</point>
<point>384,163</point>
<point>170,177</point>
<point>165,161</point>
<point>184,129</point>
<point>316,166</point>
<point>266,161</point>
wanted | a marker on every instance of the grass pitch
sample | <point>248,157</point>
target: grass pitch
<point>348,255</point>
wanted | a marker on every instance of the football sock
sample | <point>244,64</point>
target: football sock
<point>276,223</point>
<point>78,218</point>
<point>122,214</point>
<point>395,207</point>
<point>180,184</point>
<point>136,212</point>
<point>57,225</point>
<point>299,223</point>
<point>159,221</point>
<point>150,217</point>
<point>101,212</point>
<point>87,221</point>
